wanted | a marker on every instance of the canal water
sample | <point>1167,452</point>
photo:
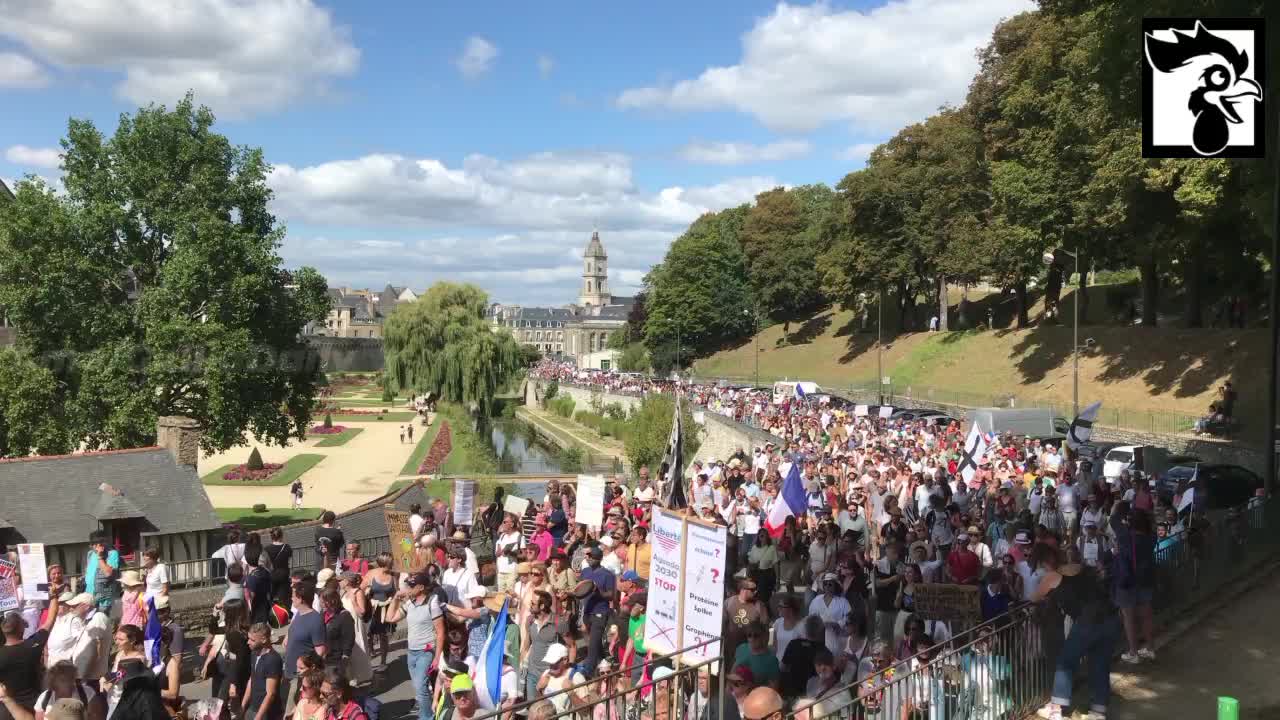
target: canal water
<point>521,451</point>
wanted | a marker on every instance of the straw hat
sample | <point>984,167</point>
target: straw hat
<point>495,601</point>
<point>130,578</point>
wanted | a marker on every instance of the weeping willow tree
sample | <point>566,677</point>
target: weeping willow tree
<point>442,344</point>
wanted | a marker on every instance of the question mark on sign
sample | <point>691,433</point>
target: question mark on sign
<point>715,576</point>
<point>717,552</point>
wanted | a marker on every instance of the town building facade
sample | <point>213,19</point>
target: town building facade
<point>360,313</point>
<point>578,331</point>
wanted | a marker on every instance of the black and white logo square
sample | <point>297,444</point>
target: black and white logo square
<point>1202,85</point>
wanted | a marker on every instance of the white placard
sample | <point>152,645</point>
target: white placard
<point>885,411</point>
<point>700,417</point>
<point>662,614</point>
<point>590,508</point>
<point>35,573</point>
<point>516,505</point>
<point>704,590</point>
<point>464,502</point>
<point>861,410</point>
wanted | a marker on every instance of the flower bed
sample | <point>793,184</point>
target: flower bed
<point>242,472</point>
<point>322,430</point>
<point>356,411</point>
<point>440,448</point>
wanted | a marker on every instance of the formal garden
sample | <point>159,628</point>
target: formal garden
<point>255,472</point>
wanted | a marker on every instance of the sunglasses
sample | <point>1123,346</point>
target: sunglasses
<point>538,574</point>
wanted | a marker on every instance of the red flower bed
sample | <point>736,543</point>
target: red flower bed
<point>322,430</point>
<point>440,448</point>
<point>242,472</point>
<point>355,411</point>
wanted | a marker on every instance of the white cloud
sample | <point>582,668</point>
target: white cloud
<point>476,58</point>
<point>805,66</point>
<point>34,157</point>
<point>239,56</point>
<point>859,152</point>
<point>547,191</point>
<point>545,66</point>
<point>19,71</point>
<point>731,153</point>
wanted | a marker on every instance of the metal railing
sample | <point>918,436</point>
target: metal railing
<point>998,669</point>
<point>632,692</point>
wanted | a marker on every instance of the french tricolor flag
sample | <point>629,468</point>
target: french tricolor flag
<point>791,501</point>
<point>487,677</point>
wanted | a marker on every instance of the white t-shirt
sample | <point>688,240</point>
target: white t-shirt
<point>460,585</point>
<point>415,524</point>
<point>782,636</point>
<point>157,578</point>
<point>837,611</point>
<point>1067,498</point>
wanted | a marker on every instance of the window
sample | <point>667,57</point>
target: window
<point>604,364</point>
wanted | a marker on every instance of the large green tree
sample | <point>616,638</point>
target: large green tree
<point>153,286</point>
<point>442,343</point>
<point>650,431</point>
<point>699,296</point>
<point>781,241</point>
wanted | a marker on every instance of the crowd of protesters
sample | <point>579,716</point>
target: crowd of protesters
<point>820,613</point>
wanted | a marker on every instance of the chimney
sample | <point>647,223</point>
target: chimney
<point>181,437</point>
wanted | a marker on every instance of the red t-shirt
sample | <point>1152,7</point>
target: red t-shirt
<point>963,565</point>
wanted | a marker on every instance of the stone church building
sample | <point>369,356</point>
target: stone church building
<point>578,331</point>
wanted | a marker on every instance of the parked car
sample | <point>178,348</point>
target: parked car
<point>1217,486</point>
<point>1147,458</point>
<point>1035,423</point>
<point>914,414</point>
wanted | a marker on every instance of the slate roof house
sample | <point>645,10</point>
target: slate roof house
<point>145,497</point>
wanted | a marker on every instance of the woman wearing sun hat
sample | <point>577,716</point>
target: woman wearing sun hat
<point>132,611</point>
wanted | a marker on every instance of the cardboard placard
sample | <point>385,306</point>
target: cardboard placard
<point>515,505</point>
<point>464,502</point>
<point>942,601</point>
<point>401,537</point>
<point>662,614</point>
<point>861,410</point>
<point>704,564</point>
<point>35,571</point>
<point>886,411</point>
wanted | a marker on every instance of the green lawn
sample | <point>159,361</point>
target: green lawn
<point>247,519</point>
<point>293,468</point>
<point>386,417</point>
<point>340,439</point>
<point>420,450</point>
<point>440,489</point>
<point>361,402</point>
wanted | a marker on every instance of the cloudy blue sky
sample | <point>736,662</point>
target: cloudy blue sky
<point>416,141</point>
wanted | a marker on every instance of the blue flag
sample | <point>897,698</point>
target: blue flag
<point>488,674</point>
<point>152,634</point>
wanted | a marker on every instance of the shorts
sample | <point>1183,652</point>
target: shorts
<point>1129,598</point>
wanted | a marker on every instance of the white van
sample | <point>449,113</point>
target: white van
<point>785,389</point>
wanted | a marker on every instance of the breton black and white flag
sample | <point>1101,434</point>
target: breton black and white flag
<point>673,496</point>
<point>1082,427</point>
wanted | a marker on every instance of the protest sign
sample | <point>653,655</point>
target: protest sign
<point>590,500</point>
<point>8,588</point>
<point>401,538</point>
<point>464,502</point>
<point>861,410</point>
<point>886,412</point>
<point>34,570</point>
<point>703,595</point>
<point>515,505</point>
<point>942,601</point>
<point>662,615</point>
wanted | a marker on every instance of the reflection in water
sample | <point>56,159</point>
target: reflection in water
<point>520,451</point>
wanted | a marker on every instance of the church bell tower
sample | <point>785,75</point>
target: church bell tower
<point>595,274</point>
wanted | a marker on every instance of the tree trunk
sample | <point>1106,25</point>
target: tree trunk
<point>1150,290</point>
<point>942,304</point>
<point>962,310</point>
<point>1053,293</point>
<point>1020,291</point>
<point>905,306</point>
<point>1193,277</point>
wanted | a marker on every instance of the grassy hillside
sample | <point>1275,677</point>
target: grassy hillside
<point>1135,370</point>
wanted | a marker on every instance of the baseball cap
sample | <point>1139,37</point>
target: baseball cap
<point>555,653</point>
<point>662,672</point>
<point>1022,538</point>
<point>631,576</point>
<point>85,599</point>
<point>461,683</point>
<point>830,577</point>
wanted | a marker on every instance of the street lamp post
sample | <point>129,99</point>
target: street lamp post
<point>755,316</point>
<point>1075,329</point>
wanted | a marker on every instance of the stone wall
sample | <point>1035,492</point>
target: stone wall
<point>348,354</point>
<point>582,396</point>
<point>181,437</point>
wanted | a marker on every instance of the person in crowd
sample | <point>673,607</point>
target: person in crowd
<point>379,586</point>
<point>339,696</point>
<point>266,699</point>
<point>306,631</point>
<point>741,611</point>
<point>279,555</point>
<point>101,571</point>
<point>329,541</point>
<point>63,685</point>
<point>1133,572</point>
<point>155,574</point>
<point>20,657</point>
<point>310,704</point>
<point>420,607</point>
